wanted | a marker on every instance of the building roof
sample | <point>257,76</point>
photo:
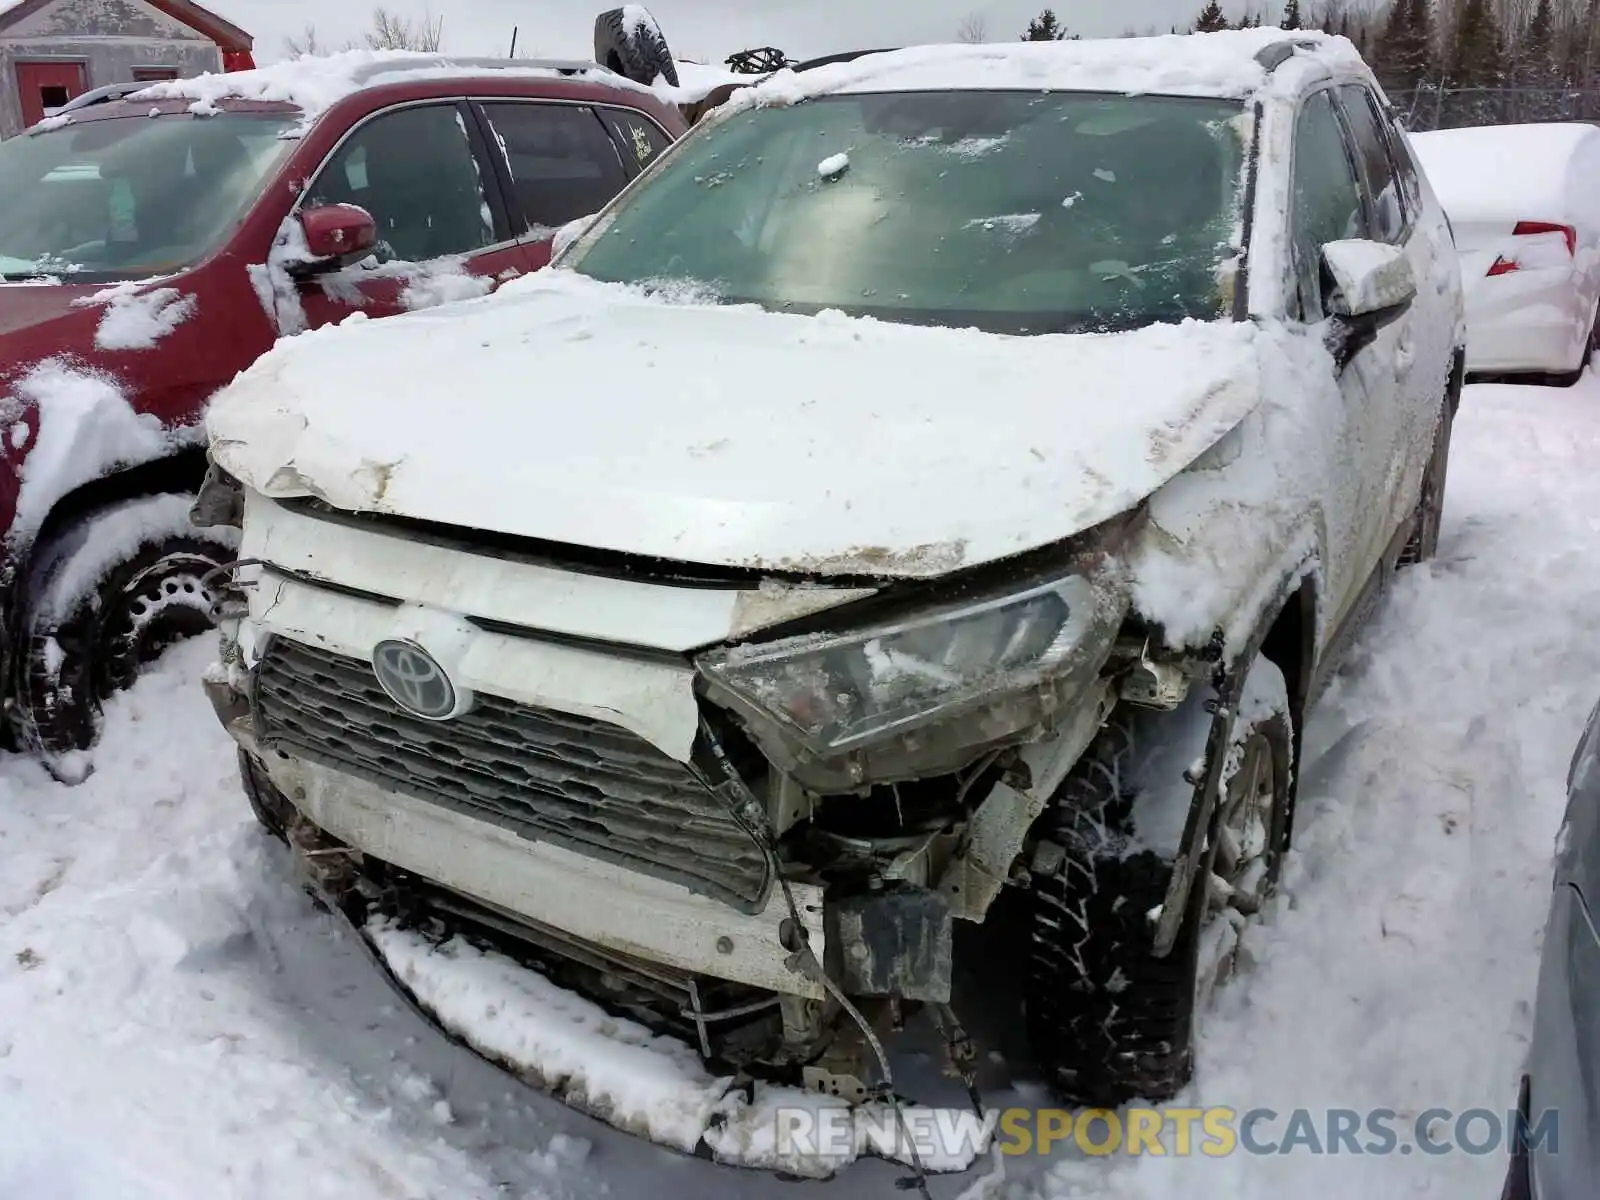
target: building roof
<point>225,34</point>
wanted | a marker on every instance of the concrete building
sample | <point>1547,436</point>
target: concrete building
<point>53,50</point>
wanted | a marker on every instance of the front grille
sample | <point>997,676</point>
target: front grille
<point>584,784</point>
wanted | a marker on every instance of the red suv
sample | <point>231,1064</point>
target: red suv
<point>153,247</point>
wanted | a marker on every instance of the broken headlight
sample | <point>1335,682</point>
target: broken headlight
<point>837,692</point>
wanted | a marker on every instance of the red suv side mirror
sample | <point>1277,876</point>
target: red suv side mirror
<point>338,231</point>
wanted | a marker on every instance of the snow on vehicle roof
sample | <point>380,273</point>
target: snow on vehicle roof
<point>1222,64</point>
<point>1515,172</point>
<point>315,84</point>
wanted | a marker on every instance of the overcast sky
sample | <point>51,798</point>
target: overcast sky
<point>710,30</point>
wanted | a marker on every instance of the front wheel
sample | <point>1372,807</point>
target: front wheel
<point>107,595</point>
<point>1109,1020</point>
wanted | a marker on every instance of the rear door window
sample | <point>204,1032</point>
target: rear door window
<point>562,160</point>
<point>415,171</point>
<point>638,138</point>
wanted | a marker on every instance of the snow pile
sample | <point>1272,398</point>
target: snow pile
<point>84,427</point>
<point>636,19</point>
<point>1515,173</point>
<point>1204,64</point>
<point>837,467</point>
<point>614,1069</point>
<point>443,281</point>
<point>696,81</point>
<point>136,319</point>
<point>422,285</point>
<point>833,166</point>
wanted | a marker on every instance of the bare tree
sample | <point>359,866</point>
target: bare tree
<point>974,28</point>
<point>304,44</point>
<point>391,31</point>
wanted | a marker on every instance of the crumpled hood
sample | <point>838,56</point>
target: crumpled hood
<point>590,414</point>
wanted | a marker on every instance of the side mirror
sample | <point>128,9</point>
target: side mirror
<point>1368,285</point>
<point>337,234</point>
<point>1367,277</point>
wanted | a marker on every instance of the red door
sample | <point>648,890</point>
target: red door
<point>42,85</point>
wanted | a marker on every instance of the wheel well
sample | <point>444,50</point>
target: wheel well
<point>1290,644</point>
<point>180,472</point>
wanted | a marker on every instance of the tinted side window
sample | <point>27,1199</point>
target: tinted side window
<point>638,137</point>
<point>1405,162</point>
<point>1386,213</point>
<point>413,169</point>
<point>1325,200</point>
<point>563,163</point>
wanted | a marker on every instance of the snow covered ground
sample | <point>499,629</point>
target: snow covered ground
<point>176,1021</point>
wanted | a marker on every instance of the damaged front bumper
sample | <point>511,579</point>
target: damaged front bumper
<point>690,841</point>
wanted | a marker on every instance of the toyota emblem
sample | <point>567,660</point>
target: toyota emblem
<point>414,679</point>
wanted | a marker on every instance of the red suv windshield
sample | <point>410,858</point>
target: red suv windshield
<point>131,196</point>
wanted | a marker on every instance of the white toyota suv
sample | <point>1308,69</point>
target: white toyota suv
<point>931,496</point>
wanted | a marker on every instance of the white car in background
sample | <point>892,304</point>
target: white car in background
<point>1524,202</point>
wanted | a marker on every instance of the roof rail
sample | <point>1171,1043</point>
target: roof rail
<point>1274,56</point>
<point>469,65</point>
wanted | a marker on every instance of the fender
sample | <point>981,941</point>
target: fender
<point>1296,590</point>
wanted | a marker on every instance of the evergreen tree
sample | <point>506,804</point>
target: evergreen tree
<point>1476,58</point>
<point>1045,28</point>
<point>1291,15</point>
<point>1534,68</point>
<point>1475,67</point>
<point>1403,57</point>
<point>1210,19</point>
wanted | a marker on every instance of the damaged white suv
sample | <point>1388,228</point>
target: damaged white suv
<point>930,497</point>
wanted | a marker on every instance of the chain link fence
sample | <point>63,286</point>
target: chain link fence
<point>1431,107</point>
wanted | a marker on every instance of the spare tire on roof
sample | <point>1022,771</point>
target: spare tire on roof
<point>629,42</point>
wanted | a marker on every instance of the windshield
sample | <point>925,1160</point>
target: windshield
<point>130,196</point>
<point>1017,212</point>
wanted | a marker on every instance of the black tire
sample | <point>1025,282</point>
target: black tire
<point>270,805</point>
<point>1428,517</point>
<point>1109,1021</point>
<point>639,54</point>
<point>106,596</point>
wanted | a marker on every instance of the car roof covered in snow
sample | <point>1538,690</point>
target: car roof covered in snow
<point>1228,64</point>
<point>316,84</point>
<point>1548,172</point>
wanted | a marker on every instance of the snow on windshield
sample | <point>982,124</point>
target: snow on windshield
<point>948,208</point>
